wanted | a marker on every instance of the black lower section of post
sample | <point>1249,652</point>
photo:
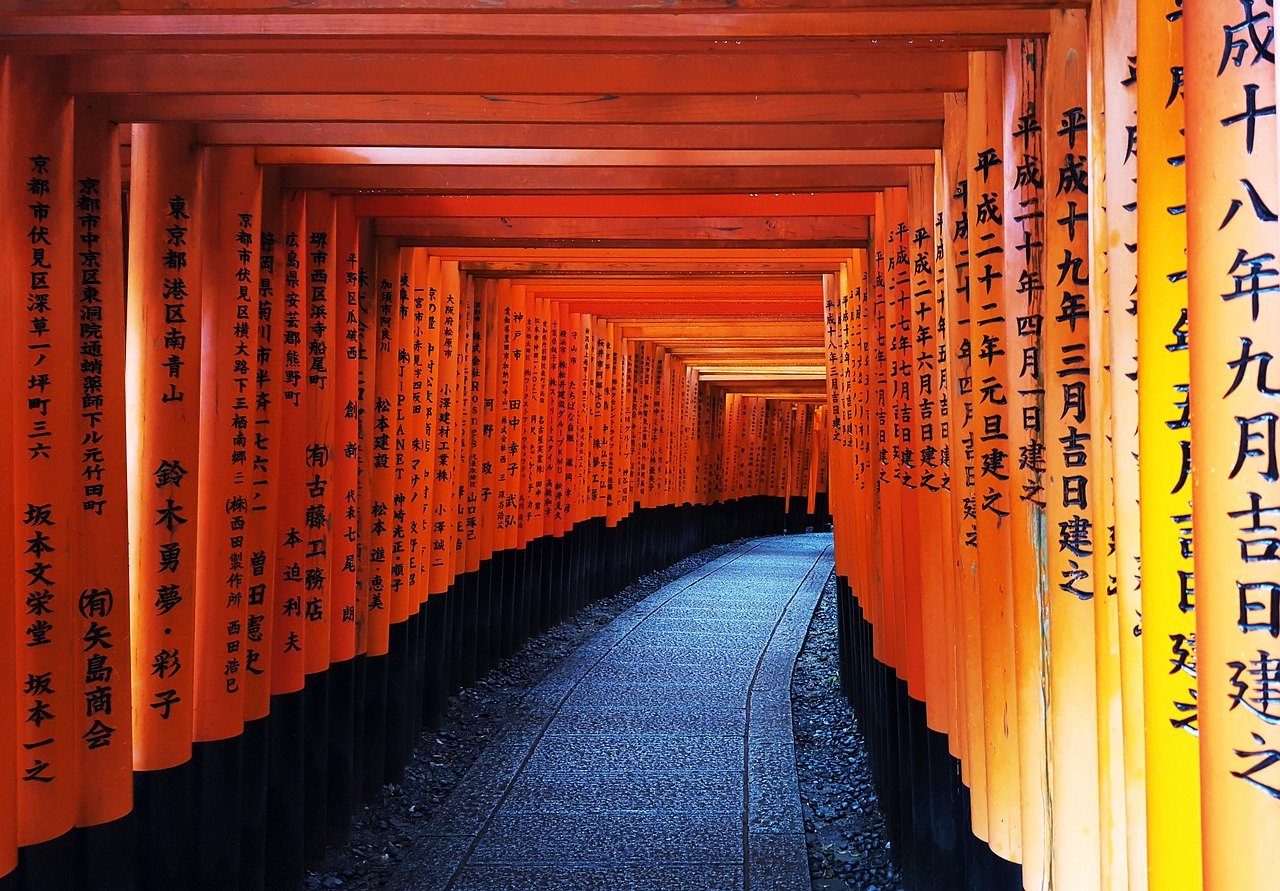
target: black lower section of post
<point>925,803</point>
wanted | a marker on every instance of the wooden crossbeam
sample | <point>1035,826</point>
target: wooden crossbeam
<point>541,135</point>
<point>915,21</point>
<point>606,205</point>
<point>494,107</point>
<point>555,180</point>
<point>488,156</point>
<point>484,74</point>
<point>691,231</point>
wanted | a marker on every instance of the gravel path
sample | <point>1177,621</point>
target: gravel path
<point>844,827</point>
<point>382,833</point>
<point>842,819</point>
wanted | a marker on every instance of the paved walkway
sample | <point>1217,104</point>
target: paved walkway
<point>658,756</point>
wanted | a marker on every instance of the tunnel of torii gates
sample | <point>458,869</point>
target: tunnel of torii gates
<point>415,329</point>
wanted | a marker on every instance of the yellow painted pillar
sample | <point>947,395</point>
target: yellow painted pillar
<point>1168,619</point>
<point>1234,318</point>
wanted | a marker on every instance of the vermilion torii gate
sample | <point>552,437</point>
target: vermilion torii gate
<point>351,344</point>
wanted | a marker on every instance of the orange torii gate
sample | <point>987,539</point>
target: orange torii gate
<point>328,456</point>
<point>358,473</point>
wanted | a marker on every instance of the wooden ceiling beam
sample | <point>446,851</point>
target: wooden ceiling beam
<point>555,180</point>
<point>768,137</point>
<point>79,45</point>
<point>608,205</point>
<point>728,26</point>
<point>581,108</point>
<point>434,156</point>
<point>667,7</point>
<point>772,231</point>
<point>487,74</point>
<point>656,291</point>
<point>679,310</point>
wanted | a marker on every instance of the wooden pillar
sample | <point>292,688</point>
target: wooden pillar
<point>163,364</point>
<point>1072,540</point>
<point>1113,845</point>
<point>963,447</point>
<point>265,479</point>
<point>1023,171</point>
<point>346,436</point>
<point>1119,240</point>
<point>162,370</point>
<point>231,200</point>
<point>47,635</point>
<point>288,668</point>
<point>931,500</point>
<point>989,357</point>
<point>1168,620</point>
<point>1234,320</point>
<point>101,531</point>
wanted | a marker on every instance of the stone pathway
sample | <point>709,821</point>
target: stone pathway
<point>658,756</point>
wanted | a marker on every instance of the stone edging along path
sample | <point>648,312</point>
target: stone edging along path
<point>659,755</point>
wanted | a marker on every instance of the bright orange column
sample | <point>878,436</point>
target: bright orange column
<point>1023,172</point>
<point>1112,835</point>
<point>265,481</point>
<point>989,386</point>
<point>101,533</point>
<point>1072,539</point>
<point>963,447</point>
<point>932,504</point>
<point>345,319</point>
<point>1117,140</point>
<point>1234,317</point>
<point>231,205</point>
<point>381,395</point>
<point>1168,620</point>
<point>318,336</point>
<point>288,662</point>
<point>162,371</point>
<point>444,501</point>
<point>8,627</point>
<point>50,642</point>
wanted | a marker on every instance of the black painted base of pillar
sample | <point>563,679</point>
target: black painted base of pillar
<point>925,804</point>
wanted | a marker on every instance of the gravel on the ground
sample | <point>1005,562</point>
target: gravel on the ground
<point>848,848</point>
<point>383,832</point>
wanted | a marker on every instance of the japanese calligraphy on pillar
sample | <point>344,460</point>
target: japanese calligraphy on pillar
<point>51,642</point>
<point>1234,318</point>
<point>990,388</point>
<point>346,434</point>
<point>1023,176</point>
<point>321,283</point>
<point>105,732</point>
<point>229,278</point>
<point>288,662</point>
<point>163,361</point>
<point>382,458</point>
<point>264,483</point>
<point>1069,446</point>
<point>1168,576</point>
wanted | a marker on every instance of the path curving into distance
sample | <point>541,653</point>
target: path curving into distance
<point>658,756</point>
